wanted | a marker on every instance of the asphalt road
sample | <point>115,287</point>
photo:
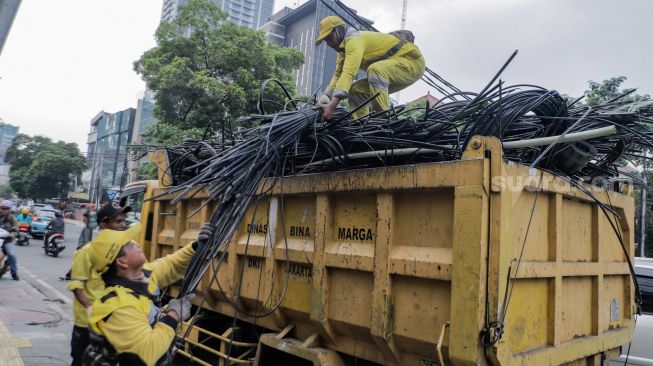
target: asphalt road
<point>39,307</point>
<point>32,259</point>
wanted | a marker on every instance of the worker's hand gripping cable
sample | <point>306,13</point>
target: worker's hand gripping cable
<point>181,307</point>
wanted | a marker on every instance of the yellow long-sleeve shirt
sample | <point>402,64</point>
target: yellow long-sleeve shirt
<point>359,50</point>
<point>128,318</point>
<point>84,277</point>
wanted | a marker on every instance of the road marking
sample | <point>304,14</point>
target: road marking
<point>56,292</point>
<point>17,342</point>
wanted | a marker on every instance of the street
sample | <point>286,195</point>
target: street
<point>37,310</point>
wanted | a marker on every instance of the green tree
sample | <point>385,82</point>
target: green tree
<point>169,134</point>
<point>41,168</point>
<point>599,93</point>
<point>6,191</point>
<point>205,70</point>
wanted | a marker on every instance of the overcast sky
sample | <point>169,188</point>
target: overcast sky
<point>67,60</point>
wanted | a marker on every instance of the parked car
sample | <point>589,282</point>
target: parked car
<point>644,272</point>
<point>40,221</point>
<point>38,206</point>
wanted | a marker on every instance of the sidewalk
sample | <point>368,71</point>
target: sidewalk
<point>35,326</point>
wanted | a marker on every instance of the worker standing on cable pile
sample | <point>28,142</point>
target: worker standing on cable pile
<point>392,62</point>
<point>127,324</point>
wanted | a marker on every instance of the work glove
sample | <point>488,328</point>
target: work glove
<point>181,306</point>
<point>322,101</point>
<point>203,237</point>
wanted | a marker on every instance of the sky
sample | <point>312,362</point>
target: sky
<point>67,60</point>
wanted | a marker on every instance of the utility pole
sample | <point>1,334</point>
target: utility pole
<point>403,26</point>
<point>642,223</point>
<point>403,15</point>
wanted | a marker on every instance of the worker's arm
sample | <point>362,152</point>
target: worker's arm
<point>354,50</point>
<point>327,110</point>
<point>80,273</point>
<point>172,267</point>
<point>128,331</point>
<point>80,295</point>
<point>340,60</point>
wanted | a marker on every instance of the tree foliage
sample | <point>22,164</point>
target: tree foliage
<point>6,191</point>
<point>169,134</point>
<point>41,168</point>
<point>205,70</point>
<point>599,93</point>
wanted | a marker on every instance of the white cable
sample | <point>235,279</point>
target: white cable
<point>576,136</point>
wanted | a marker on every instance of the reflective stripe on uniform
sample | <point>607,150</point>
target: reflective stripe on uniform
<point>355,99</point>
<point>378,82</point>
<point>340,93</point>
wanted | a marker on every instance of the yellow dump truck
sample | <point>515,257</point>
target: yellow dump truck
<point>470,262</point>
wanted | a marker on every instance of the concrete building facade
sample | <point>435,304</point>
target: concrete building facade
<point>298,28</point>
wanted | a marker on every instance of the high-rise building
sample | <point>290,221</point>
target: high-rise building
<point>8,10</point>
<point>144,117</point>
<point>107,150</point>
<point>250,13</point>
<point>298,28</point>
<point>7,134</point>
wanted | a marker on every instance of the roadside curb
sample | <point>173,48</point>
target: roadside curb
<point>44,288</point>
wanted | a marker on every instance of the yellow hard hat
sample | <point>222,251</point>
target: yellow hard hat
<point>24,210</point>
<point>326,26</point>
<point>104,249</point>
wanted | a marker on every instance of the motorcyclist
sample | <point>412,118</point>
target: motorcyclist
<point>24,216</point>
<point>55,226</point>
<point>9,223</point>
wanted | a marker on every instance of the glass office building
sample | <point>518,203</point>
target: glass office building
<point>250,13</point>
<point>298,28</point>
<point>107,149</point>
<point>7,134</point>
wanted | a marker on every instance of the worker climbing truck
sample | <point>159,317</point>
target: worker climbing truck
<point>469,262</point>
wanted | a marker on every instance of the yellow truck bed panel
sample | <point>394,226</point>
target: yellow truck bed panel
<point>375,263</point>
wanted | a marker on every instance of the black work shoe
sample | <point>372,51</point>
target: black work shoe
<point>15,277</point>
<point>3,271</point>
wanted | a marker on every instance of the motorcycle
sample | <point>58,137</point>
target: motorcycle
<point>53,243</point>
<point>23,234</point>
<point>3,234</point>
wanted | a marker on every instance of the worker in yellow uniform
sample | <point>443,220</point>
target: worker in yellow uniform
<point>392,64</point>
<point>128,327</point>
<point>87,284</point>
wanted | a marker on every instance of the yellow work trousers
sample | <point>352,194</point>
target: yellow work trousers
<point>385,77</point>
